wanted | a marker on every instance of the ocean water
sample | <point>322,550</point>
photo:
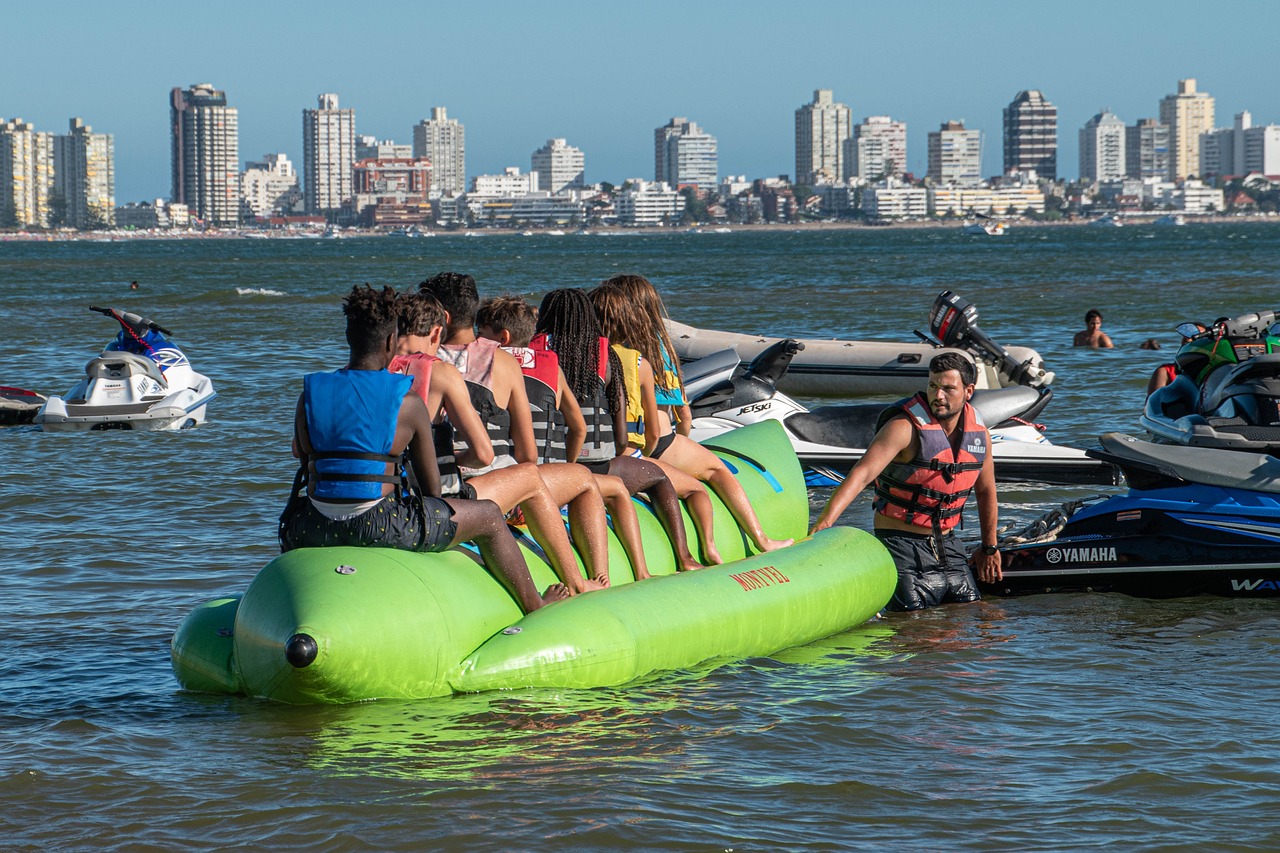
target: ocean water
<point>1047,722</point>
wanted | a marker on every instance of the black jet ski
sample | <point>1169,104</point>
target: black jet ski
<point>18,405</point>
<point>1227,392</point>
<point>1194,521</point>
<point>831,439</point>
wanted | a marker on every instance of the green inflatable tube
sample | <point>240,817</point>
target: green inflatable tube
<point>334,625</point>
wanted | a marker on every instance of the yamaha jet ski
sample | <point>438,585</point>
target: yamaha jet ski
<point>1227,392</point>
<point>141,381</point>
<point>1195,521</point>
<point>831,439</point>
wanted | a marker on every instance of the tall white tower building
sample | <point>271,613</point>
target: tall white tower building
<point>442,140</point>
<point>684,154</point>
<point>821,129</point>
<point>559,166</point>
<point>955,155</point>
<point>26,174</point>
<point>878,147</point>
<point>84,176</point>
<point>1102,148</point>
<point>328,153</point>
<point>205,147</point>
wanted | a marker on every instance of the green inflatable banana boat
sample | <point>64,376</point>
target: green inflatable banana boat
<point>350,624</point>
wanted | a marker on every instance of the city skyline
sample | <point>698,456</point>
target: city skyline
<point>633,74</point>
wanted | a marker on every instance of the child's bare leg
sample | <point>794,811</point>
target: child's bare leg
<point>573,484</point>
<point>689,456</point>
<point>645,475</point>
<point>481,522</point>
<point>690,490</point>
<point>521,485</point>
<point>625,524</point>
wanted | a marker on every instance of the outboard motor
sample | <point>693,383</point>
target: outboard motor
<point>953,322</point>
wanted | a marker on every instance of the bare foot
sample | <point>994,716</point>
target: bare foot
<point>589,585</point>
<point>603,580</point>
<point>774,544</point>
<point>555,592</point>
<point>689,565</point>
<point>643,576</point>
<point>713,558</point>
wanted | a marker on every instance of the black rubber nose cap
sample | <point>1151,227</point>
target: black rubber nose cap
<point>300,650</point>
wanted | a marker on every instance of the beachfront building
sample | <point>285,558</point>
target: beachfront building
<point>269,188</point>
<point>877,149</point>
<point>1188,114</point>
<point>955,155</point>
<point>205,154</point>
<point>442,140</point>
<point>152,215</point>
<point>643,203</point>
<point>328,153</point>
<point>559,166</point>
<point>1146,149</point>
<point>996,201</point>
<point>892,199</point>
<point>1031,135</point>
<point>685,155</point>
<point>391,191</point>
<point>1102,152</point>
<point>26,175</point>
<point>822,127</point>
<point>84,182</point>
<point>1240,150</point>
<point>509,183</point>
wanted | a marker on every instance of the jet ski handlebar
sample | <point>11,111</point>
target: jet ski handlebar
<point>128,318</point>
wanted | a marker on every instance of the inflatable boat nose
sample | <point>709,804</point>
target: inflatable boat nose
<point>300,650</point>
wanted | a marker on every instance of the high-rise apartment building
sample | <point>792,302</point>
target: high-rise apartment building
<point>955,155</point>
<point>1187,114</point>
<point>559,166</point>
<point>685,155</point>
<point>442,140</point>
<point>84,181</point>
<point>26,175</point>
<point>269,187</point>
<point>1102,151</point>
<point>1031,135</point>
<point>1146,145</point>
<point>328,153</point>
<point>878,148</point>
<point>821,130</point>
<point>205,149</point>
<point>1240,150</point>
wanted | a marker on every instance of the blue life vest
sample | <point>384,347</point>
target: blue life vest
<point>351,423</point>
<point>673,394</point>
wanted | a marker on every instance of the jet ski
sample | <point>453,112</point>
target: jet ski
<point>1227,392</point>
<point>830,439</point>
<point>18,405</point>
<point>1194,521</point>
<point>140,381</point>
<point>839,368</point>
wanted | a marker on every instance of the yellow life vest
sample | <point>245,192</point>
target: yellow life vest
<point>630,359</point>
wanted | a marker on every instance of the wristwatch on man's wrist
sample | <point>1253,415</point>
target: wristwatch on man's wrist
<point>989,550</point>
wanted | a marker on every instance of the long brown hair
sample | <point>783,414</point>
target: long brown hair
<point>631,313</point>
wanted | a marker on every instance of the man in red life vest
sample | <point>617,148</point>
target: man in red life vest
<point>930,451</point>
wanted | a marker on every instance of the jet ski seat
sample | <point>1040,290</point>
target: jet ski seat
<point>1150,466</point>
<point>122,365</point>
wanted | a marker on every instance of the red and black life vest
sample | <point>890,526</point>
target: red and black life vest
<point>930,490</point>
<point>599,443</point>
<point>541,368</point>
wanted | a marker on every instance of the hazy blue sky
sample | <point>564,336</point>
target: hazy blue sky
<point>604,75</point>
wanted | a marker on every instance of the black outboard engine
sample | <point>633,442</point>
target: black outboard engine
<point>953,322</point>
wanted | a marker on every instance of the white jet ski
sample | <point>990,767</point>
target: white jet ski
<point>141,381</point>
<point>829,440</point>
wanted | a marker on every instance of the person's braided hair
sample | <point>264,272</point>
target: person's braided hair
<point>568,318</point>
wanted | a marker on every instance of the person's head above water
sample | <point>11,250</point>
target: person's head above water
<point>457,294</point>
<point>1091,315</point>
<point>372,319</point>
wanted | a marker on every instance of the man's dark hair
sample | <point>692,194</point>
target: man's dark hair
<point>510,314</point>
<point>954,361</point>
<point>1090,314</point>
<point>371,318</point>
<point>457,293</point>
<point>419,314</point>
